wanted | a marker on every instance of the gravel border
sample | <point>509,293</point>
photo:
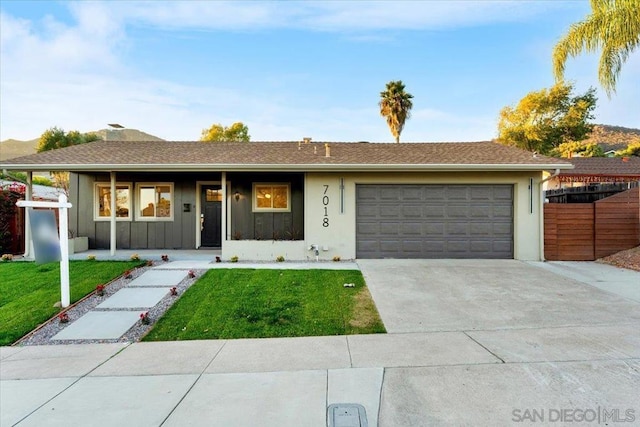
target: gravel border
<point>43,334</point>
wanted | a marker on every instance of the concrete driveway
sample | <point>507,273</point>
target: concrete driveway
<point>467,295</point>
<point>566,336</point>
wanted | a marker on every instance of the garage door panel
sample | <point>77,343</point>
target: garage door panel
<point>434,221</point>
<point>389,228</point>
<point>411,193</point>
<point>481,229</point>
<point>457,228</point>
<point>411,211</point>
<point>457,211</point>
<point>433,229</point>
<point>411,228</point>
<point>457,192</point>
<point>502,212</point>
<point>480,211</point>
<point>503,192</point>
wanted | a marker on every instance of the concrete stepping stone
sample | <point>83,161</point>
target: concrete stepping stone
<point>102,325</point>
<point>159,278</point>
<point>135,298</point>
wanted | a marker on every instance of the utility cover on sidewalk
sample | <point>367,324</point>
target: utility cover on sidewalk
<point>347,415</point>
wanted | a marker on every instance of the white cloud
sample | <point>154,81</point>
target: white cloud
<point>343,16</point>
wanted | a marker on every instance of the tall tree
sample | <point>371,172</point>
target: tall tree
<point>54,138</point>
<point>395,106</point>
<point>237,132</point>
<point>633,149</point>
<point>545,119</point>
<point>613,27</point>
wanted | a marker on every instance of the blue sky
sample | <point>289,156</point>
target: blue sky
<point>286,69</point>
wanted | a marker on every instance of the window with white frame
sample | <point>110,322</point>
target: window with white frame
<point>102,201</point>
<point>154,201</point>
<point>271,197</point>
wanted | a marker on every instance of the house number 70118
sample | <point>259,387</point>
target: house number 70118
<point>325,204</point>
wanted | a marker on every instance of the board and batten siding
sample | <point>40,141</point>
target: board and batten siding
<point>176,234</point>
<point>249,225</point>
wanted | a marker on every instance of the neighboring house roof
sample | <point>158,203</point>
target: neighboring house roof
<point>40,192</point>
<point>255,156</point>
<point>602,169</point>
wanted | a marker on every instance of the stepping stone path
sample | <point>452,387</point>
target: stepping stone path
<point>118,313</point>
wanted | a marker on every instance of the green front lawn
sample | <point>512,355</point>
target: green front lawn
<point>28,291</point>
<point>243,303</point>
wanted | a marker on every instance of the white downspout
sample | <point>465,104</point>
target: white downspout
<point>541,219</point>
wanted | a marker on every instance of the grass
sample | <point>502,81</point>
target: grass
<point>243,303</point>
<point>28,291</point>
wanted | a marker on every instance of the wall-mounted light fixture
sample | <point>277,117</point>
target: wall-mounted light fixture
<point>237,196</point>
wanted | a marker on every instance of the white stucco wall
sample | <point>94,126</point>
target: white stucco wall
<point>333,228</point>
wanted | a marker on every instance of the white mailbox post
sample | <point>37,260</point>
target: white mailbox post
<point>63,206</point>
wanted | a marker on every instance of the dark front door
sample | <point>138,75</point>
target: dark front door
<point>211,216</point>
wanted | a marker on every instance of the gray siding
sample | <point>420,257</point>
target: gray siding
<point>176,234</point>
<point>246,224</point>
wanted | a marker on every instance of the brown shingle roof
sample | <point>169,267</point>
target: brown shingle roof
<point>195,155</point>
<point>604,166</point>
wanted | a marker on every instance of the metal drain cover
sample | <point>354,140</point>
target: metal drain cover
<point>347,415</point>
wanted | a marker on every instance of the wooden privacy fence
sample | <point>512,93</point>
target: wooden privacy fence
<point>588,231</point>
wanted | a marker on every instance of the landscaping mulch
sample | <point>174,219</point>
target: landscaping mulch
<point>626,259</point>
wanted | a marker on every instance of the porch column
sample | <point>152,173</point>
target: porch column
<point>28,195</point>
<point>113,214</point>
<point>223,227</point>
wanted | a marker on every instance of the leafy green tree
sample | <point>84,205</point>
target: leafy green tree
<point>545,119</point>
<point>633,149</point>
<point>613,27</point>
<point>54,138</point>
<point>395,106</point>
<point>237,132</point>
<point>573,149</point>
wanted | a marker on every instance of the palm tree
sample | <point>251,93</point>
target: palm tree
<point>612,27</point>
<point>395,106</point>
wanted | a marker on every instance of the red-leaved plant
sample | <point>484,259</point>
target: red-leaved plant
<point>191,274</point>
<point>63,317</point>
<point>165,258</point>
<point>100,290</point>
<point>144,318</point>
<point>174,291</point>
<point>127,274</point>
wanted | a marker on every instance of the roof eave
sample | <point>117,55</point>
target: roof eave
<point>444,167</point>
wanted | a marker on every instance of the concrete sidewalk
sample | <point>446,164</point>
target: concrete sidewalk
<point>444,378</point>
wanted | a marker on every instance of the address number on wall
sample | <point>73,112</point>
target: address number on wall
<point>325,205</point>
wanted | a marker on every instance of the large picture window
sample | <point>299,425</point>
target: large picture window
<point>102,204</point>
<point>155,202</point>
<point>271,197</point>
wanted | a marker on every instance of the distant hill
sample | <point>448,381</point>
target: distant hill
<point>612,137</point>
<point>11,148</point>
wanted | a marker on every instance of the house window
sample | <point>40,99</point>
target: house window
<point>155,202</point>
<point>271,197</point>
<point>102,205</point>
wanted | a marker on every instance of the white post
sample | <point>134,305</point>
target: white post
<point>63,206</point>
<point>64,252</point>
<point>113,214</point>
<point>223,227</point>
<point>28,195</point>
